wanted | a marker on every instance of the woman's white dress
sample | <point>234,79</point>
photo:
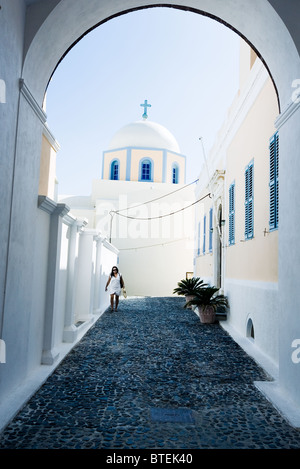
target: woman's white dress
<point>115,285</point>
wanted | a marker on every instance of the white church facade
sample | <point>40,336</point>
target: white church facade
<point>143,207</point>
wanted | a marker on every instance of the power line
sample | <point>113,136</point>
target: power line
<point>167,214</point>
<point>153,245</point>
<point>154,200</point>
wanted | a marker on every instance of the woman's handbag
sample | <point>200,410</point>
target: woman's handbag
<point>124,293</point>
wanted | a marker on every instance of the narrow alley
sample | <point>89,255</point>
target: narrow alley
<point>152,376</point>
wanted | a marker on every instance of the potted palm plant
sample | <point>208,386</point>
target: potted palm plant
<point>207,302</point>
<point>189,287</point>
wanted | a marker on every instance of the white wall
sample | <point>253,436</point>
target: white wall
<point>257,301</point>
<point>147,247</point>
<point>58,289</point>
<point>12,24</point>
<point>156,271</point>
<point>289,253</point>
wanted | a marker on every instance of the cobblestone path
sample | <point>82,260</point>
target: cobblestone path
<point>152,376</point>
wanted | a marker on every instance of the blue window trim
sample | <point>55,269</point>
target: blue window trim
<point>103,159</point>
<point>141,168</point>
<point>113,164</point>
<point>198,240</point>
<point>210,244</point>
<point>274,182</point>
<point>231,234</point>
<point>249,201</point>
<point>164,165</point>
<point>166,155</point>
<point>204,233</point>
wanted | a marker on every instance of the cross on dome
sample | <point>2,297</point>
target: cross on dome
<point>145,105</point>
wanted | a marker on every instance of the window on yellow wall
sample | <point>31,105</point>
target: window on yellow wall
<point>114,170</point>
<point>204,233</point>
<point>232,214</point>
<point>146,170</point>
<point>249,217</point>
<point>198,240</point>
<point>274,182</point>
<point>175,174</point>
<point>210,247</point>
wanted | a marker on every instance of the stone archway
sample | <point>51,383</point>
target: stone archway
<point>49,31</point>
<point>68,22</point>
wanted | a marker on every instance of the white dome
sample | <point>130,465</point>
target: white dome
<point>144,134</point>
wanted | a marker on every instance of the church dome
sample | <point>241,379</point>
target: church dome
<point>145,134</point>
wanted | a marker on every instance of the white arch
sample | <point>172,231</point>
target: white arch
<point>70,20</point>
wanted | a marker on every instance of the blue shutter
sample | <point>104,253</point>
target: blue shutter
<point>204,233</point>
<point>210,230</point>
<point>232,214</point>
<point>249,201</point>
<point>198,240</point>
<point>274,181</point>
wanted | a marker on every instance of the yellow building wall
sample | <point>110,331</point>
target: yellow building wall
<point>120,155</point>
<point>204,266</point>
<point>47,169</point>
<point>138,154</point>
<point>257,258</point>
<point>204,262</point>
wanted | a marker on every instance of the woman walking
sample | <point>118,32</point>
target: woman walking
<point>114,285</point>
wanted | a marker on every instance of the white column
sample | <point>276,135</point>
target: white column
<point>75,227</point>
<point>50,354</point>
<point>84,291</point>
<point>98,271</point>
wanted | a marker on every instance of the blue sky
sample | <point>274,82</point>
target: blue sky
<point>186,66</point>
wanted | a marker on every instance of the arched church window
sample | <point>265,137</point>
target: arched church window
<point>146,169</point>
<point>175,172</point>
<point>114,170</point>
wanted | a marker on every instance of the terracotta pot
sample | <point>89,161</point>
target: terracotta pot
<point>189,298</point>
<point>207,314</point>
